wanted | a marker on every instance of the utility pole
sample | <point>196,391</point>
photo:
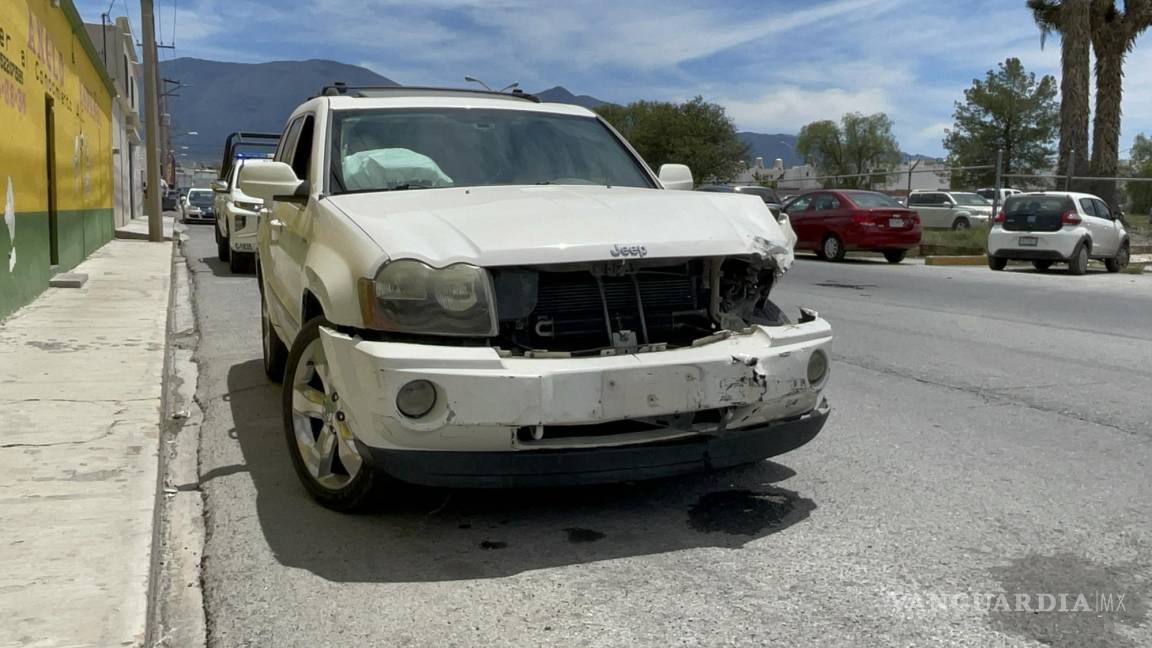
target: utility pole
<point>153,204</point>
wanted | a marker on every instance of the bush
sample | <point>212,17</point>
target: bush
<point>976,237</point>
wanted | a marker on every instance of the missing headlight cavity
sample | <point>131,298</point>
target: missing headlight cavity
<point>629,307</point>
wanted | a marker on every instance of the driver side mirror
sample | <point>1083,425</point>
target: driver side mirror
<point>676,176</point>
<point>219,186</point>
<point>273,181</point>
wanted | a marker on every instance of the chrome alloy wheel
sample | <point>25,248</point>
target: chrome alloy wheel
<point>323,438</point>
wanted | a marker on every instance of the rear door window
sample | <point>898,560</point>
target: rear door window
<point>825,202</point>
<point>1102,209</point>
<point>1087,207</point>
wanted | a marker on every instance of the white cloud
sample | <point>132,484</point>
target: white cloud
<point>788,108</point>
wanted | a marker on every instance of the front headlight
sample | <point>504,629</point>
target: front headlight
<point>412,297</point>
<point>250,206</point>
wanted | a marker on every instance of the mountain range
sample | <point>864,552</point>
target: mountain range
<point>215,98</point>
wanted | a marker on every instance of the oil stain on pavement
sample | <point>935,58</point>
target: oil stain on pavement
<point>746,512</point>
<point>579,536</point>
<point>1070,601</point>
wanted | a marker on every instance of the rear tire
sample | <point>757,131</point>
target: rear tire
<point>895,256</point>
<point>1120,261</point>
<point>961,224</point>
<point>1078,264</point>
<point>997,263</point>
<point>832,248</point>
<point>275,353</point>
<point>1041,265</point>
<point>335,474</point>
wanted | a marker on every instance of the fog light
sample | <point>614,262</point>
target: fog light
<point>241,222</point>
<point>416,398</point>
<point>817,368</point>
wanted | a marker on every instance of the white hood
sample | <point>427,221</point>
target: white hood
<point>502,226</point>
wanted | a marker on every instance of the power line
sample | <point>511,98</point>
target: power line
<point>174,3</point>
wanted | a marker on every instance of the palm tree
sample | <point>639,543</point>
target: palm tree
<point>1070,19</point>
<point>1113,33</point>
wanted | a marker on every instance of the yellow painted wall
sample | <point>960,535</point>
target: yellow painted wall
<point>45,52</point>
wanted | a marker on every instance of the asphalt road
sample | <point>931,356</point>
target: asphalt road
<point>990,435</point>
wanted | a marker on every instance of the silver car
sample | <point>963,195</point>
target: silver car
<point>955,210</point>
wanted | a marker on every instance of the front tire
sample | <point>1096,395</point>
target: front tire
<point>961,224</point>
<point>997,263</point>
<point>832,248</point>
<point>895,256</point>
<point>323,448</point>
<point>239,262</point>
<point>223,252</point>
<point>1078,264</point>
<point>1120,261</point>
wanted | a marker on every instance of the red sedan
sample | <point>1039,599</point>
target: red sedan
<point>837,221</point>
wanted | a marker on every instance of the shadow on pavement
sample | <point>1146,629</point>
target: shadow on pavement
<point>446,535</point>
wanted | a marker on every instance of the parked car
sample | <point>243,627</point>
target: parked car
<point>955,210</point>
<point>1058,227</point>
<point>835,222</point>
<point>197,207</point>
<point>237,217</point>
<point>989,193</point>
<point>767,194</point>
<point>469,288</point>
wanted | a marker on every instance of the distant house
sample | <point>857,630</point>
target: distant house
<point>116,46</point>
<point>928,174</point>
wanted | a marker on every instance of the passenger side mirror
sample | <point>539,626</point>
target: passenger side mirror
<point>219,186</point>
<point>272,181</point>
<point>676,176</point>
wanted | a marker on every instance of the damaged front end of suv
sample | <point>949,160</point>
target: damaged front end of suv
<point>580,372</point>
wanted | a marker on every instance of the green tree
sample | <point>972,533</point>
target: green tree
<point>1140,193</point>
<point>1113,33</point>
<point>1008,110</point>
<point>1070,19</point>
<point>857,146</point>
<point>696,133</point>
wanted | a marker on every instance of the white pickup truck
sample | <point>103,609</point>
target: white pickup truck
<point>476,289</point>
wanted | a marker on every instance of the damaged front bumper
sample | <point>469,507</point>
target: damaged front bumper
<point>512,421</point>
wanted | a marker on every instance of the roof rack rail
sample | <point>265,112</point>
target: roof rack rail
<point>339,88</point>
<point>244,138</point>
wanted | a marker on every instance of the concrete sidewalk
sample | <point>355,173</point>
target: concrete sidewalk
<point>80,394</point>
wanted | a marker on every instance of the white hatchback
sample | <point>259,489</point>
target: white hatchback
<point>1057,227</point>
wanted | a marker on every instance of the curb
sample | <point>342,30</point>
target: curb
<point>176,607</point>
<point>941,260</point>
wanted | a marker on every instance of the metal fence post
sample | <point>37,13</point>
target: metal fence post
<point>999,182</point>
<point>1071,170</point>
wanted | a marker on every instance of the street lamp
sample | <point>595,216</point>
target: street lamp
<point>472,79</point>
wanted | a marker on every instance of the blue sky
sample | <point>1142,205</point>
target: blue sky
<point>774,64</point>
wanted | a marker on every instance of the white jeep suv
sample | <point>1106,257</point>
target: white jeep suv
<point>1057,227</point>
<point>237,215</point>
<point>466,288</point>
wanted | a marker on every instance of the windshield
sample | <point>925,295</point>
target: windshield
<point>393,149</point>
<point>970,199</point>
<point>200,198</point>
<point>867,200</point>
